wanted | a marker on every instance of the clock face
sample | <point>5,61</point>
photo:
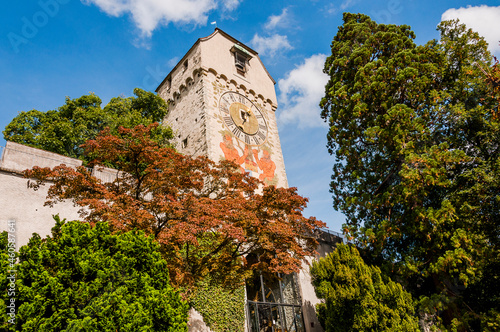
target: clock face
<point>243,118</point>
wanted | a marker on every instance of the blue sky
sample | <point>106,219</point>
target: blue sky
<point>51,49</point>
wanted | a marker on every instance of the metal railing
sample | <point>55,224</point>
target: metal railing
<point>329,236</point>
<point>326,230</point>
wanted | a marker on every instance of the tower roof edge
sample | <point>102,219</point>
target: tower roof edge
<point>203,39</point>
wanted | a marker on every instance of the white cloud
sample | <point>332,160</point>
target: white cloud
<point>275,21</point>
<point>301,91</point>
<point>347,3</point>
<point>147,15</point>
<point>343,6</point>
<point>270,45</point>
<point>483,19</point>
<point>230,4</point>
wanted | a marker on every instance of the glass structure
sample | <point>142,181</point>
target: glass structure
<point>274,304</point>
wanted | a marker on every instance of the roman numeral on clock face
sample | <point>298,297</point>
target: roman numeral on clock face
<point>237,132</point>
<point>247,139</point>
<point>261,135</point>
<point>228,121</point>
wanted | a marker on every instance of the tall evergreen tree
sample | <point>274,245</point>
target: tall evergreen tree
<point>415,132</point>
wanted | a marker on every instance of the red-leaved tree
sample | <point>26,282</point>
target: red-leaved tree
<point>207,216</point>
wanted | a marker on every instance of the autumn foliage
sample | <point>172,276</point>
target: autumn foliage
<point>206,216</point>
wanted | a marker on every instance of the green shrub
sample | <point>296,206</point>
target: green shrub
<point>88,279</point>
<point>358,297</point>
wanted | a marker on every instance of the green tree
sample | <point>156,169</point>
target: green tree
<point>358,297</point>
<point>88,279</point>
<point>64,130</point>
<point>416,137</point>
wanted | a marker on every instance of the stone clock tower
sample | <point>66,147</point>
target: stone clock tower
<point>222,105</point>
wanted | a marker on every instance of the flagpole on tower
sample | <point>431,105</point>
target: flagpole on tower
<point>214,23</point>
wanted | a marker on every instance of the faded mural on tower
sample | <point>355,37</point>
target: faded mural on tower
<point>244,134</point>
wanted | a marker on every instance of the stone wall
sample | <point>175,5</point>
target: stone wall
<point>22,206</point>
<point>184,93</point>
<point>17,157</point>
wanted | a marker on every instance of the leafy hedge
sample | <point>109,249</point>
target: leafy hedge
<point>88,279</point>
<point>222,310</point>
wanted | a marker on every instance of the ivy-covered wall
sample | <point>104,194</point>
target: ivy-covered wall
<point>222,310</point>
